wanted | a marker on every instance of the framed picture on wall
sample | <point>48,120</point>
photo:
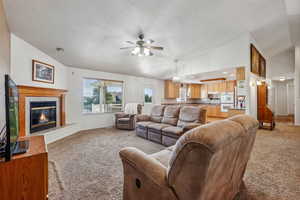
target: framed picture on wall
<point>262,66</point>
<point>255,60</point>
<point>42,72</point>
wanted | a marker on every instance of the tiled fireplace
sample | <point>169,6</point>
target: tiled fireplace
<point>42,115</point>
<point>40,109</point>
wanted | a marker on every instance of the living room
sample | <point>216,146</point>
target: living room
<point>144,79</point>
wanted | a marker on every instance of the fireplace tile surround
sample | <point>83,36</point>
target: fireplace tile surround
<point>30,93</point>
<point>41,113</point>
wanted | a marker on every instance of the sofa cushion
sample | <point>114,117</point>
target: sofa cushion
<point>171,114</point>
<point>173,131</point>
<point>158,126</point>
<point>157,113</point>
<point>143,124</point>
<point>189,114</point>
<point>163,156</point>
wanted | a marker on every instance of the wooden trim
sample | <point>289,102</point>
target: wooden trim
<point>51,66</point>
<point>213,79</point>
<point>30,91</point>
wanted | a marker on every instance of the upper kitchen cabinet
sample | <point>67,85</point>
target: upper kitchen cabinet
<point>230,86</point>
<point>171,89</point>
<point>222,86</point>
<point>194,91</point>
<point>204,91</point>
<point>240,73</point>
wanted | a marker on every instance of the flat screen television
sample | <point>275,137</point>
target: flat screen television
<point>10,135</point>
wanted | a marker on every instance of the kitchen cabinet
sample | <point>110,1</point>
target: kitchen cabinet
<point>240,73</point>
<point>194,91</point>
<point>211,88</point>
<point>222,87</point>
<point>215,111</point>
<point>171,89</point>
<point>204,91</point>
<point>230,86</point>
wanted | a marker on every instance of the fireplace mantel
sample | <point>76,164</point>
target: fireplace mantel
<point>30,91</point>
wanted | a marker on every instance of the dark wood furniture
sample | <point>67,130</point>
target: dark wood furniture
<point>29,91</point>
<point>264,112</point>
<point>25,177</point>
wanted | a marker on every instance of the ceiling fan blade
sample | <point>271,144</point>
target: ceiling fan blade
<point>156,48</point>
<point>127,47</point>
<point>130,42</point>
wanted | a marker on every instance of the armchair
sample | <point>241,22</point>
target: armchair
<point>207,162</point>
<point>127,121</point>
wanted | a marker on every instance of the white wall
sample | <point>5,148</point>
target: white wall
<point>297,85</point>
<point>134,88</point>
<point>291,98</point>
<point>4,60</point>
<point>232,54</point>
<point>69,78</point>
<point>282,64</point>
<point>252,81</point>
<point>22,54</point>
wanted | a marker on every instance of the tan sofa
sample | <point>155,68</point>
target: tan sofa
<point>166,124</point>
<point>207,163</point>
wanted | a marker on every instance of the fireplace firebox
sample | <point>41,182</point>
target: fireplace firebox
<point>42,115</point>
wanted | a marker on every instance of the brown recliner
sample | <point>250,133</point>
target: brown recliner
<point>126,121</point>
<point>207,163</point>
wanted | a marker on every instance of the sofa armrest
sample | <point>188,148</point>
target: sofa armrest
<point>190,126</point>
<point>121,115</point>
<point>140,118</point>
<point>150,167</point>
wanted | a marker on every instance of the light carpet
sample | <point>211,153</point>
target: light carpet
<point>87,166</point>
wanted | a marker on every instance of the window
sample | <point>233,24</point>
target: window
<point>148,95</point>
<point>102,96</point>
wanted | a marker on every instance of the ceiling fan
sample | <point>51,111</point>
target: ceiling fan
<point>142,47</point>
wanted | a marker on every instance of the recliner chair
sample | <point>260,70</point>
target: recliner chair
<point>206,163</point>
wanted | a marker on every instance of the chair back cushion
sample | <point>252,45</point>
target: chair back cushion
<point>191,114</point>
<point>171,115</point>
<point>209,161</point>
<point>157,113</point>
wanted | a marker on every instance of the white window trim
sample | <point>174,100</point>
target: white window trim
<point>100,113</point>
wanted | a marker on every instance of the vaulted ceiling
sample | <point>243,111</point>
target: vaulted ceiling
<point>92,32</point>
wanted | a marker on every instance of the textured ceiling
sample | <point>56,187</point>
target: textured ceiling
<point>91,32</point>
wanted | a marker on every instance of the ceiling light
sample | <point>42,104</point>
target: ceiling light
<point>141,51</point>
<point>225,72</point>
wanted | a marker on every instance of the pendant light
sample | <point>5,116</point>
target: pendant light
<point>176,78</point>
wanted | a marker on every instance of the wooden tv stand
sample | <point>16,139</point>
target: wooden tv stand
<point>26,175</point>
